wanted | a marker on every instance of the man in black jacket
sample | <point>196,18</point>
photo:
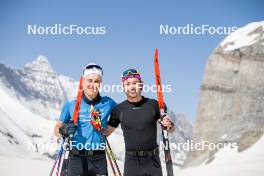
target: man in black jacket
<point>138,117</point>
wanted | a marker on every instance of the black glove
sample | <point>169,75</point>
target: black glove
<point>68,129</point>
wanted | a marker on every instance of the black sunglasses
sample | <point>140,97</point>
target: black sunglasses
<point>93,66</point>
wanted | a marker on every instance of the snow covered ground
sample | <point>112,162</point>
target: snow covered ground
<point>11,166</point>
<point>228,162</point>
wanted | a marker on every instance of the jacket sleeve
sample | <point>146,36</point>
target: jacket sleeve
<point>114,120</point>
<point>65,115</point>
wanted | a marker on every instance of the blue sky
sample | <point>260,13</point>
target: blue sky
<point>132,34</point>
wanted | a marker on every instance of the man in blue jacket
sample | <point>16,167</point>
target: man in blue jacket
<point>87,153</point>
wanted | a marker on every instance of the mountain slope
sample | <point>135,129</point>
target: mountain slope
<point>38,87</point>
<point>20,129</point>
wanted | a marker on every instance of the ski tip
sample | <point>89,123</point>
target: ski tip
<point>156,56</point>
<point>156,51</point>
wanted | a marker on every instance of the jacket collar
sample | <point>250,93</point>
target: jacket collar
<point>94,101</point>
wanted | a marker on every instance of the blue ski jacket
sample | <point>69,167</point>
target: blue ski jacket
<point>86,137</point>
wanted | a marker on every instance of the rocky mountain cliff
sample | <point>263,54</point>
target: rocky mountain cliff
<point>231,107</point>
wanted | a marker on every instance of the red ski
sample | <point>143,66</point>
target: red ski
<point>165,137</point>
<point>78,102</point>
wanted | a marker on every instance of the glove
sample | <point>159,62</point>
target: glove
<point>68,129</point>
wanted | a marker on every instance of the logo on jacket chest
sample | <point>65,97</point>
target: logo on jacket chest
<point>84,114</point>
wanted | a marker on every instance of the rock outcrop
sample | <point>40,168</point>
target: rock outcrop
<point>231,107</point>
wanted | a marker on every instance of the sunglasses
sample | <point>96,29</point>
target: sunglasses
<point>130,72</point>
<point>92,66</point>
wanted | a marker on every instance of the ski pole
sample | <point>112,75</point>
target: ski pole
<point>54,165</point>
<point>112,154</point>
<point>109,157</point>
<point>59,166</point>
<point>64,165</point>
<point>59,154</point>
<point>96,123</point>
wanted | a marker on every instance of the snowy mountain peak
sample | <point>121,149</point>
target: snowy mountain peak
<point>42,58</point>
<point>38,87</point>
<point>41,64</point>
<point>250,34</point>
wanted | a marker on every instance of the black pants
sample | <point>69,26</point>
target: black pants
<point>94,165</point>
<point>142,166</point>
